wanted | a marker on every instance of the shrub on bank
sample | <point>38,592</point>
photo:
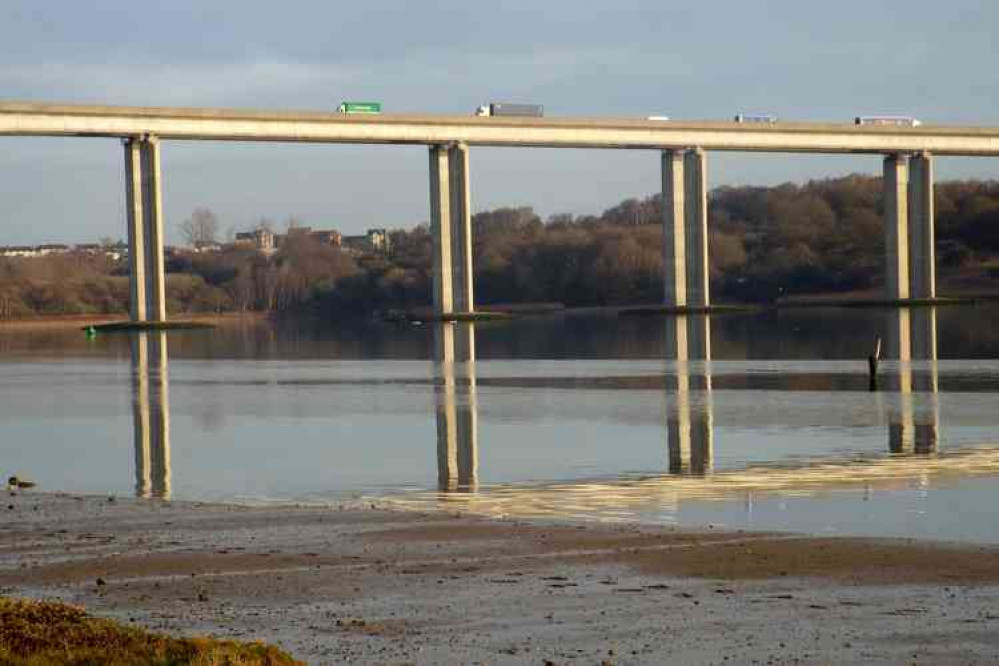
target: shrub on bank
<point>40,633</point>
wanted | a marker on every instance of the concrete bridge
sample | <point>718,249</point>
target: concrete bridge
<point>908,171</point>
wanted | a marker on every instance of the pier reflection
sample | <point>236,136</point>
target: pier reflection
<point>912,344</point>
<point>689,428</point>
<point>151,414</point>
<point>456,407</point>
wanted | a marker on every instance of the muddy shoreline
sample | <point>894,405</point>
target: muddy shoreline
<point>367,585</point>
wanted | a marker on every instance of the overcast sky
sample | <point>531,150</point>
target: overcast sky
<point>697,60</point>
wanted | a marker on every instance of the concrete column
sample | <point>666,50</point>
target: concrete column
<point>152,205</point>
<point>440,229</point>
<point>144,207</point>
<point>696,228</point>
<point>674,245</point>
<point>136,226</point>
<point>685,229</point>
<point>461,231</point>
<point>896,203</point>
<point>922,254</point>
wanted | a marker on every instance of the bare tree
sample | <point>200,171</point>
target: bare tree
<point>201,227</point>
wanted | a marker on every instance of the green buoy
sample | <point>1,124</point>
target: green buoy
<point>91,332</point>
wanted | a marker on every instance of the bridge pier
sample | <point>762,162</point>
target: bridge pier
<point>910,262</point>
<point>922,228</point>
<point>685,229</point>
<point>144,207</point>
<point>451,228</point>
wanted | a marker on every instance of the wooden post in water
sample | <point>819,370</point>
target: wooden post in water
<point>872,363</point>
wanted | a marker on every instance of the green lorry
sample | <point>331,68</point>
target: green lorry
<point>360,107</point>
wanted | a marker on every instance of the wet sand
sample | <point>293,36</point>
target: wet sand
<point>365,585</point>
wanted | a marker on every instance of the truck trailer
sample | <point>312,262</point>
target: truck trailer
<point>513,110</point>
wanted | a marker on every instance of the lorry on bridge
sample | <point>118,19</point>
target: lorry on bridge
<point>764,118</point>
<point>899,121</point>
<point>360,107</point>
<point>508,109</point>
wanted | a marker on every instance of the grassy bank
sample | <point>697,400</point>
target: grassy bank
<point>39,633</point>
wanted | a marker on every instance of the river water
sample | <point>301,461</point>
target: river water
<point>750,420</point>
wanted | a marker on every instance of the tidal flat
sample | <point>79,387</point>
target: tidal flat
<point>353,584</point>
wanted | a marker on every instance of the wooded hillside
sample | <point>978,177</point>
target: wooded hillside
<point>819,237</point>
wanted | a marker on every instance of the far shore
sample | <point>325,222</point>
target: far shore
<point>362,584</point>
<point>491,312</point>
<point>82,321</point>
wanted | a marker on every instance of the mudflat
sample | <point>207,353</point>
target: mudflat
<point>360,584</point>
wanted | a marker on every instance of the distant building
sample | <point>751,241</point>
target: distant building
<point>207,246</point>
<point>19,251</point>
<point>261,240</point>
<point>52,248</point>
<point>267,242</point>
<point>379,239</point>
<point>375,240</point>
<point>115,252</point>
<point>330,237</point>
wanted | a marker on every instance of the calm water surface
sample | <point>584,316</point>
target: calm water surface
<point>762,420</point>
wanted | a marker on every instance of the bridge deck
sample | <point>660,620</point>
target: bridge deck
<point>33,119</point>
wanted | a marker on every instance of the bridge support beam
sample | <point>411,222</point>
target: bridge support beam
<point>922,231</point>
<point>910,261</point>
<point>896,187</point>
<point>451,227</point>
<point>685,229</point>
<point>144,208</point>
<point>461,234</point>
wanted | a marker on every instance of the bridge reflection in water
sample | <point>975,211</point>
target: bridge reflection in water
<point>907,406</point>
<point>455,405</point>
<point>912,345</point>
<point>910,384</point>
<point>151,414</point>
<point>909,389</point>
<point>689,428</point>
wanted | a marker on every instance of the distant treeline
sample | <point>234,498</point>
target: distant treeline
<point>766,242</point>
